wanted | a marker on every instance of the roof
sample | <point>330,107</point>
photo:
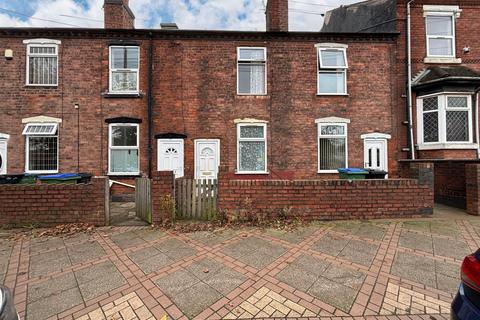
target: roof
<point>373,16</point>
<point>440,75</point>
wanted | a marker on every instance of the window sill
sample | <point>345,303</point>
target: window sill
<point>42,172</point>
<point>327,171</point>
<point>333,94</point>
<point>114,95</point>
<point>252,96</point>
<point>442,146</point>
<point>252,172</point>
<point>442,60</point>
<point>124,176</point>
<point>42,86</point>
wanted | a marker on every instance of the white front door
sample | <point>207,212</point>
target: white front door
<point>207,159</point>
<point>375,153</point>
<point>3,156</point>
<point>170,156</point>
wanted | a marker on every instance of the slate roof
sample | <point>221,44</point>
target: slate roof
<point>373,16</point>
<point>433,75</point>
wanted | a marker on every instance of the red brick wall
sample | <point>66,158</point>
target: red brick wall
<point>117,16</point>
<point>450,183</point>
<point>328,199</point>
<point>162,196</point>
<point>277,15</point>
<point>49,205</point>
<point>473,188</point>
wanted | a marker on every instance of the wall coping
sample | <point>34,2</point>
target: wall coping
<point>388,182</point>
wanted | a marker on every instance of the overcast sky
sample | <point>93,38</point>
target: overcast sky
<point>188,14</point>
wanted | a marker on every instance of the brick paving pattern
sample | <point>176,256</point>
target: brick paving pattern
<point>339,270</point>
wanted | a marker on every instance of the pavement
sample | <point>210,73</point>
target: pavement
<point>384,269</point>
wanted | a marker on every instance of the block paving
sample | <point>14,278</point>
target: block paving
<point>397,269</point>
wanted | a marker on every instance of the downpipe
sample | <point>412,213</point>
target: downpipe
<point>409,76</point>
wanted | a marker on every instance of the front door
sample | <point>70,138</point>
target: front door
<point>375,152</point>
<point>170,156</point>
<point>3,156</point>
<point>207,159</point>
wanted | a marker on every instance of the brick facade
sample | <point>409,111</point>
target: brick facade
<point>328,199</point>
<point>49,205</point>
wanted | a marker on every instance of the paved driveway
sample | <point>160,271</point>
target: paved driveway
<point>319,271</point>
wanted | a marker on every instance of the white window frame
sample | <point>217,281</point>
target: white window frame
<point>112,70</point>
<point>52,132</point>
<point>245,61</point>
<point>452,15</point>
<point>331,69</point>
<point>27,145</point>
<point>264,139</point>
<point>40,43</point>
<point>111,147</point>
<point>442,122</point>
<point>319,135</point>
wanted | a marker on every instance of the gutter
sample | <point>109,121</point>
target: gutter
<point>409,76</point>
<point>150,104</point>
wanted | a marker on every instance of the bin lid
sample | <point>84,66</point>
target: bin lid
<point>351,170</point>
<point>59,176</point>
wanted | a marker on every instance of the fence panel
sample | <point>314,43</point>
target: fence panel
<point>143,199</point>
<point>196,199</point>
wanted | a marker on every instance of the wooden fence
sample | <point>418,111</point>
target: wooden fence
<point>196,199</point>
<point>143,199</point>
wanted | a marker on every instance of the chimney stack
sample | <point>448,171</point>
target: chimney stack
<point>118,15</point>
<point>277,15</point>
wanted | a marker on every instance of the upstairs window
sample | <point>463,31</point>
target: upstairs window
<point>124,69</point>
<point>252,75</point>
<point>252,148</point>
<point>124,149</point>
<point>440,34</point>
<point>445,119</point>
<point>332,70</point>
<point>42,62</point>
<point>41,147</point>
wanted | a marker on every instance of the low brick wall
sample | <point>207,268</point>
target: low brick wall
<point>472,173</point>
<point>327,199</point>
<point>50,205</point>
<point>163,202</point>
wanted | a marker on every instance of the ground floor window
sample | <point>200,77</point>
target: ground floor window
<point>124,149</point>
<point>41,147</point>
<point>445,118</point>
<point>332,144</point>
<point>252,148</point>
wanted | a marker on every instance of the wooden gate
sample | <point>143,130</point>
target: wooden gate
<point>196,199</point>
<point>143,199</point>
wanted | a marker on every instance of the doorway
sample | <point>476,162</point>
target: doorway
<point>207,159</point>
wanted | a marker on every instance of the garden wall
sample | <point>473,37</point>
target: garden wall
<point>329,199</point>
<point>49,205</point>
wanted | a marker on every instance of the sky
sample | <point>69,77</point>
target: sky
<point>247,15</point>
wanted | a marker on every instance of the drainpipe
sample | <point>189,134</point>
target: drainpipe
<point>409,76</point>
<point>150,104</point>
<point>477,129</point>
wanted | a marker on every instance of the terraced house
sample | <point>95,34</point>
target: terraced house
<point>383,83</point>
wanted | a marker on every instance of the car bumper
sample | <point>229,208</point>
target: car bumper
<point>462,308</point>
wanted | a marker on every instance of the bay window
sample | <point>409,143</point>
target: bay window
<point>252,148</point>
<point>251,71</point>
<point>41,147</point>
<point>124,149</point>
<point>124,69</point>
<point>444,120</point>
<point>332,69</point>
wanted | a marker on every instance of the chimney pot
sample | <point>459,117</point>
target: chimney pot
<point>277,15</point>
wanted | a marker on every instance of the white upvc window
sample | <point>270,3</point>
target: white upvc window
<point>251,71</point>
<point>124,69</point>
<point>252,148</point>
<point>41,147</point>
<point>444,120</point>
<point>440,28</point>
<point>124,149</point>
<point>332,69</point>
<point>42,62</point>
<point>332,144</point>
